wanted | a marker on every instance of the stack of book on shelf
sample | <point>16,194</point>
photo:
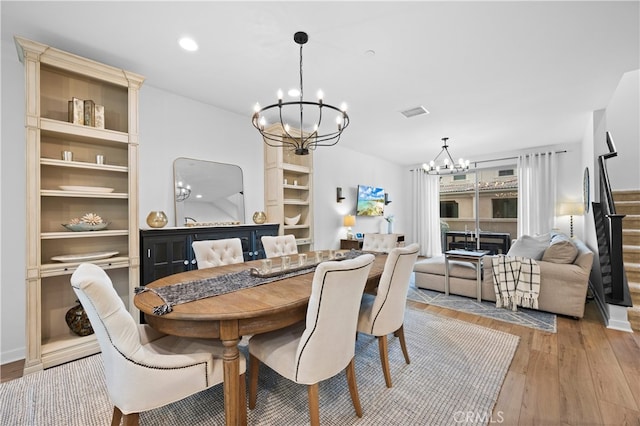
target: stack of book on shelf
<point>86,112</point>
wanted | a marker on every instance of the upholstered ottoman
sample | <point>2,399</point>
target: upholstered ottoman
<point>462,277</point>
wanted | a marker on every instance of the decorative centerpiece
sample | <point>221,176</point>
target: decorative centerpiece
<point>259,218</point>
<point>78,321</point>
<point>157,219</point>
<point>88,222</point>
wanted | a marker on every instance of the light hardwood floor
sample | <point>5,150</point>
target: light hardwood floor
<point>583,375</point>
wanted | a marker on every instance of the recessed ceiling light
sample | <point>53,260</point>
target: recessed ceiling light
<point>370,52</point>
<point>294,93</point>
<point>188,43</point>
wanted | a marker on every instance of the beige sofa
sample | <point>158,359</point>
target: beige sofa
<point>563,286</point>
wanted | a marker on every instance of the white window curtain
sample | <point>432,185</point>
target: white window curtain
<point>537,176</point>
<point>425,210</point>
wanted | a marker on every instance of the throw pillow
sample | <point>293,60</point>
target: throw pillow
<point>561,251</point>
<point>529,247</point>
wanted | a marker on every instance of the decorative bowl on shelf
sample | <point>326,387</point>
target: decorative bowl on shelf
<point>79,227</point>
<point>292,220</point>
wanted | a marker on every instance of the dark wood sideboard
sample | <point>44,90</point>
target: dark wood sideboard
<point>168,251</point>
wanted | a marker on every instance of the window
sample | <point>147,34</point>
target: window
<point>504,208</point>
<point>448,209</point>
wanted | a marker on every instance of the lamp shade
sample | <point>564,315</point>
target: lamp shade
<point>349,220</point>
<point>570,209</point>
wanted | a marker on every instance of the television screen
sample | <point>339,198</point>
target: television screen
<point>370,201</point>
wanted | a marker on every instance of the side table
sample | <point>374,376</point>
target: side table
<point>351,244</point>
<point>466,256</point>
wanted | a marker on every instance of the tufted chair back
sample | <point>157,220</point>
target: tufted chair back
<point>327,344</point>
<point>280,245</point>
<point>144,369</point>
<point>210,253</point>
<point>323,345</point>
<point>379,242</point>
<point>383,313</point>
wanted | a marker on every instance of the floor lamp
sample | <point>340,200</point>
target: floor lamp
<point>571,209</point>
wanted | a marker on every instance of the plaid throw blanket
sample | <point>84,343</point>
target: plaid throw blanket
<point>516,281</point>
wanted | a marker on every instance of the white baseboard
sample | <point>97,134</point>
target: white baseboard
<point>10,356</point>
<point>618,319</point>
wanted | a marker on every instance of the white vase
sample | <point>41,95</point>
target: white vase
<point>389,227</point>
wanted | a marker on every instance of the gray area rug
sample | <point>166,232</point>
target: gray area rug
<point>455,375</point>
<point>539,320</point>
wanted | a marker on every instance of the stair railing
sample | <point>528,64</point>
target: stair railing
<point>609,231</point>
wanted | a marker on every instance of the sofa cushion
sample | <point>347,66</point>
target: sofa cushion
<point>561,250</point>
<point>435,266</point>
<point>532,247</point>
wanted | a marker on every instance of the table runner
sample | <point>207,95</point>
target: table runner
<point>189,291</point>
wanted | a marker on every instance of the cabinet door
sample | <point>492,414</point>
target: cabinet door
<point>165,255</point>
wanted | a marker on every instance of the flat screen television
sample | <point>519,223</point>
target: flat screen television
<point>370,201</point>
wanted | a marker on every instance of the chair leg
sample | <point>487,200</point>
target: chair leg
<point>132,419</point>
<point>243,400</point>
<point>254,367</point>
<point>384,359</point>
<point>353,387</point>
<point>117,416</point>
<point>314,404</point>
<point>403,344</point>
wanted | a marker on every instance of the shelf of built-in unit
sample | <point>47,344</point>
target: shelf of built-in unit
<point>303,241</point>
<point>295,169</point>
<point>83,165</point>
<point>59,349</point>
<point>83,234</point>
<point>67,268</point>
<point>82,194</point>
<point>77,132</point>
<point>295,202</point>
<point>300,187</point>
<point>301,226</point>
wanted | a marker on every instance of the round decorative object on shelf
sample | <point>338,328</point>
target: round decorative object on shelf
<point>259,217</point>
<point>157,219</point>
<point>292,220</point>
<point>78,321</point>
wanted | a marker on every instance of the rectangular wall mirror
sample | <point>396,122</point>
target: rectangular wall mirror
<point>207,193</point>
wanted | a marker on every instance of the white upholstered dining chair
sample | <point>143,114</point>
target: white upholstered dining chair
<point>145,369</point>
<point>210,253</point>
<point>383,313</point>
<point>324,344</point>
<point>383,243</point>
<point>280,245</point>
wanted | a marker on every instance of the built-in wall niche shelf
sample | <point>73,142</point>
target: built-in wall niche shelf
<point>67,268</point>
<point>296,202</point>
<point>300,187</point>
<point>83,234</point>
<point>82,194</point>
<point>83,165</point>
<point>72,169</point>
<point>76,132</point>
<point>289,189</point>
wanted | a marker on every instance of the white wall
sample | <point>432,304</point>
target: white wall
<point>13,224</point>
<point>172,126</point>
<point>623,122</point>
<point>341,167</point>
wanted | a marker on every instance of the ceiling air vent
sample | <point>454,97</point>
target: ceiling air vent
<point>414,112</point>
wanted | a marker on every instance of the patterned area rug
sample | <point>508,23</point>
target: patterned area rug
<point>455,375</point>
<point>539,320</point>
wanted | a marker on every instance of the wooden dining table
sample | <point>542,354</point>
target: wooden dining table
<point>229,317</point>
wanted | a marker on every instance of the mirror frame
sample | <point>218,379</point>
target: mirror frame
<point>222,180</point>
